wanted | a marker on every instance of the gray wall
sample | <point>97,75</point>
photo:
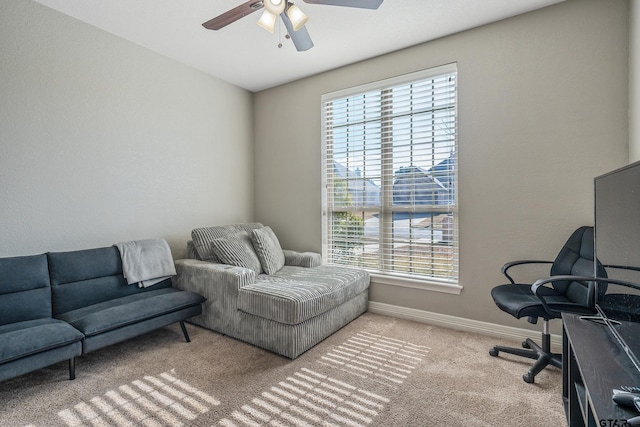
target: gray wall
<point>542,110</point>
<point>634,82</point>
<point>102,140</point>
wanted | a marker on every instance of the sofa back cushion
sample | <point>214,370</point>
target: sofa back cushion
<point>237,249</point>
<point>90,276</point>
<point>202,238</point>
<point>25,292</point>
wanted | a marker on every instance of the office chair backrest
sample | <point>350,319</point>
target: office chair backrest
<point>576,258</point>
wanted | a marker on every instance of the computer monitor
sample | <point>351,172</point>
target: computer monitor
<point>617,248</point>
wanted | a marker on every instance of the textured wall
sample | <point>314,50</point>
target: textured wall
<point>102,140</point>
<point>542,111</point>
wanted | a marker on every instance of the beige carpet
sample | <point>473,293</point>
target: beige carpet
<point>377,371</point>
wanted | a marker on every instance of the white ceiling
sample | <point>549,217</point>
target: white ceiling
<point>248,56</point>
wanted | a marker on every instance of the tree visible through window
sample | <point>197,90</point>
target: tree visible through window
<point>389,176</point>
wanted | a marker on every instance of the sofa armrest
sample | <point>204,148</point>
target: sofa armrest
<point>219,284</point>
<point>302,259</point>
<point>210,279</point>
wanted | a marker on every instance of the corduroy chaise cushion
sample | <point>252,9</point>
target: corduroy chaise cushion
<point>293,295</point>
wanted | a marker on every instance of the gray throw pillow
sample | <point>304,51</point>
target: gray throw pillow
<point>202,238</point>
<point>237,249</point>
<point>268,249</point>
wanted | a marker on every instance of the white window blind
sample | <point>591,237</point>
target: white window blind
<point>389,176</point>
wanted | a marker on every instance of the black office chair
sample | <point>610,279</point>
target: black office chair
<point>548,302</point>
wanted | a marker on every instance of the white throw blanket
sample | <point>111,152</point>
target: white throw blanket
<point>146,262</point>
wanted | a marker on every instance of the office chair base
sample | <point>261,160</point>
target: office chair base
<point>541,354</point>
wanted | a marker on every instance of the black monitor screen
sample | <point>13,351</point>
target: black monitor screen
<point>617,247</point>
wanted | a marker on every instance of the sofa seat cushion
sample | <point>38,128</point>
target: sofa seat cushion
<point>108,315</point>
<point>295,294</point>
<point>22,339</point>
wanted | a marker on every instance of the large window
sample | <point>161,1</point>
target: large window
<point>389,176</point>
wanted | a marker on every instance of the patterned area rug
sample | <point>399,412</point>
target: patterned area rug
<point>377,371</point>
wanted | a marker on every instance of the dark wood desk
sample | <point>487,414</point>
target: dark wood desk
<point>593,365</point>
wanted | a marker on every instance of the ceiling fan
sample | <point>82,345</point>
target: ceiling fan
<point>291,15</point>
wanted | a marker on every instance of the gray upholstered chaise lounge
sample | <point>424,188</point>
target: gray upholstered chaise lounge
<point>297,305</point>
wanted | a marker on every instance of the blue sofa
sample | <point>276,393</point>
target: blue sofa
<point>60,305</point>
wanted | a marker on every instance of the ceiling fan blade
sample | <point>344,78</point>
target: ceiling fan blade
<point>362,4</point>
<point>233,15</point>
<point>301,39</point>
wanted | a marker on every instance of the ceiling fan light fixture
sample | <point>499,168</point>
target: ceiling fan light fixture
<point>292,17</point>
<point>296,16</point>
<point>267,21</point>
<point>276,7</point>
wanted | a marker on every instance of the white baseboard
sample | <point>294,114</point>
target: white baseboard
<point>459,323</point>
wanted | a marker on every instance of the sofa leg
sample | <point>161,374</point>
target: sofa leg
<point>184,331</point>
<point>72,368</point>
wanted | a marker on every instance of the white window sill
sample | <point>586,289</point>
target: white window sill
<point>448,288</point>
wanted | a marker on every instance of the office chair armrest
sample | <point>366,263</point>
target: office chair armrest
<point>590,279</point>
<point>541,282</point>
<point>510,264</point>
<point>618,282</point>
<point>622,267</point>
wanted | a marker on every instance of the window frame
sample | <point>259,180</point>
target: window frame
<point>389,277</point>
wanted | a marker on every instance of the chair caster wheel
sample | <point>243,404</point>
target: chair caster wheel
<point>525,344</point>
<point>493,352</point>
<point>528,378</point>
